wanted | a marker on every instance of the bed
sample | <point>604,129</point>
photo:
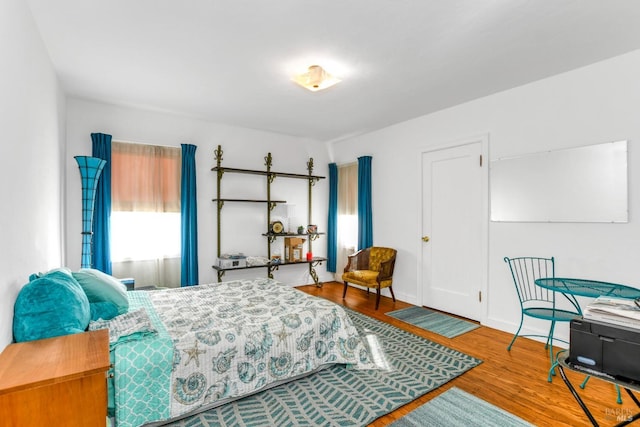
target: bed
<point>180,351</point>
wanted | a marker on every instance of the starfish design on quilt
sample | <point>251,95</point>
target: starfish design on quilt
<point>282,335</point>
<point>194,354</point>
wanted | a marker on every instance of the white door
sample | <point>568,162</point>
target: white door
<point>453,258</point>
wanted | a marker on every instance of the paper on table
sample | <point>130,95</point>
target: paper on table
<point>620,311</point>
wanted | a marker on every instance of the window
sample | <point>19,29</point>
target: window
<point>347,215</point>
<point>145,213</point>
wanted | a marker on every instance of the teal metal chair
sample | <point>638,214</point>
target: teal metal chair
<point>538,302</point>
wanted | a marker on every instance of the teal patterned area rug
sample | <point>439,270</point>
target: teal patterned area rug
<point>441,324</point>
<point>337,396</point>
<point>455,408</point>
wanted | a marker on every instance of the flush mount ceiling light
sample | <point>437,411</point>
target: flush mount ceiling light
<point>315,79</point>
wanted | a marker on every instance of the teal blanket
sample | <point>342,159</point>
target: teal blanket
<point>142,377</point>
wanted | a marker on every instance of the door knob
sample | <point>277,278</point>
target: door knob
<point>425,238</point>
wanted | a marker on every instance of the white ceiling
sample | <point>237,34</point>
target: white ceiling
<point>231,61</point>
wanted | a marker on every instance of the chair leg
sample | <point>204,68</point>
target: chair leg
<point>550,336</point>
<point>344,292</point>
<point>377,297</point>
<point>392,295</point>
<point>516,334</point>
<point>552,370</point>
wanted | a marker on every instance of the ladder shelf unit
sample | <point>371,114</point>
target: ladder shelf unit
<point>270,204</point>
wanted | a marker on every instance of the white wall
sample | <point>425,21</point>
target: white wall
<point>587,106</point>
<point>242,224</point>
<point>32,124</point>
<point>595,104</point>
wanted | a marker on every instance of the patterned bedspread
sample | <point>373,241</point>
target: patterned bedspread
<point>217,342</point>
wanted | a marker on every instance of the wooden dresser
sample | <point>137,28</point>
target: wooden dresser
<point>57,381</point>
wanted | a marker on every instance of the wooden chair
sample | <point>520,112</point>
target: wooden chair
<point>371,267</point>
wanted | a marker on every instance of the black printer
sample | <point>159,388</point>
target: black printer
<point>605,348</point>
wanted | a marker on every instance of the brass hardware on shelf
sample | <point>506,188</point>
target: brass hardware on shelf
<point>218,155</point>
<point>425,238</point>
<point>272,268</point>
<point>314,275</point>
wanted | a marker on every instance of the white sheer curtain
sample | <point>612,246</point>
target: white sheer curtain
<point>347,215</point>
<point>145,217</point>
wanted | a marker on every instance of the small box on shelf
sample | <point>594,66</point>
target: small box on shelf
<point>232,261</point>
<point>293,248</point>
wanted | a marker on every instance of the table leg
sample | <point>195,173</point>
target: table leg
<point>576,396</point>
<point>633,397</point>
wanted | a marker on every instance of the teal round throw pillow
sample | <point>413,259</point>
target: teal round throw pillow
<point>50,306</point>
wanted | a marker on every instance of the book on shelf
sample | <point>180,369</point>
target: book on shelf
<point>619,311</point>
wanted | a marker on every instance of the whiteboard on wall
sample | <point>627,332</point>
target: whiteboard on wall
<point>584,184</point>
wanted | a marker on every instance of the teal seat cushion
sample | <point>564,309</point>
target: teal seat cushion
<point>51,305</point>
<point>101,287</point>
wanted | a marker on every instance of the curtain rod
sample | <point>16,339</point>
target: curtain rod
<point>122,141</point>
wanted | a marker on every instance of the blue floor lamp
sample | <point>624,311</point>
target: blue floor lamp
<point>90,170</point>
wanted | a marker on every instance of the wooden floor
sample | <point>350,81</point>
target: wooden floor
<point>515,380</point>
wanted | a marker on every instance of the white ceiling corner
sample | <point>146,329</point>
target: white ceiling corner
<point>232,61</point>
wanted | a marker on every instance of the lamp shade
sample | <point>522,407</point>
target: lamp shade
<point>90,170</point>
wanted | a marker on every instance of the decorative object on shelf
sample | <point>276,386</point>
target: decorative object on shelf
<point>253,261</point>
<point>309,256</point>
<point>276,227</point>
<point>286,213</point>
<point>90,170</point>
<point>276,256</point>
<point>291,213</point>
<point>232,261</point>
<point>293,248</point>
<point>300,230</point>
<point>311,229</point>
